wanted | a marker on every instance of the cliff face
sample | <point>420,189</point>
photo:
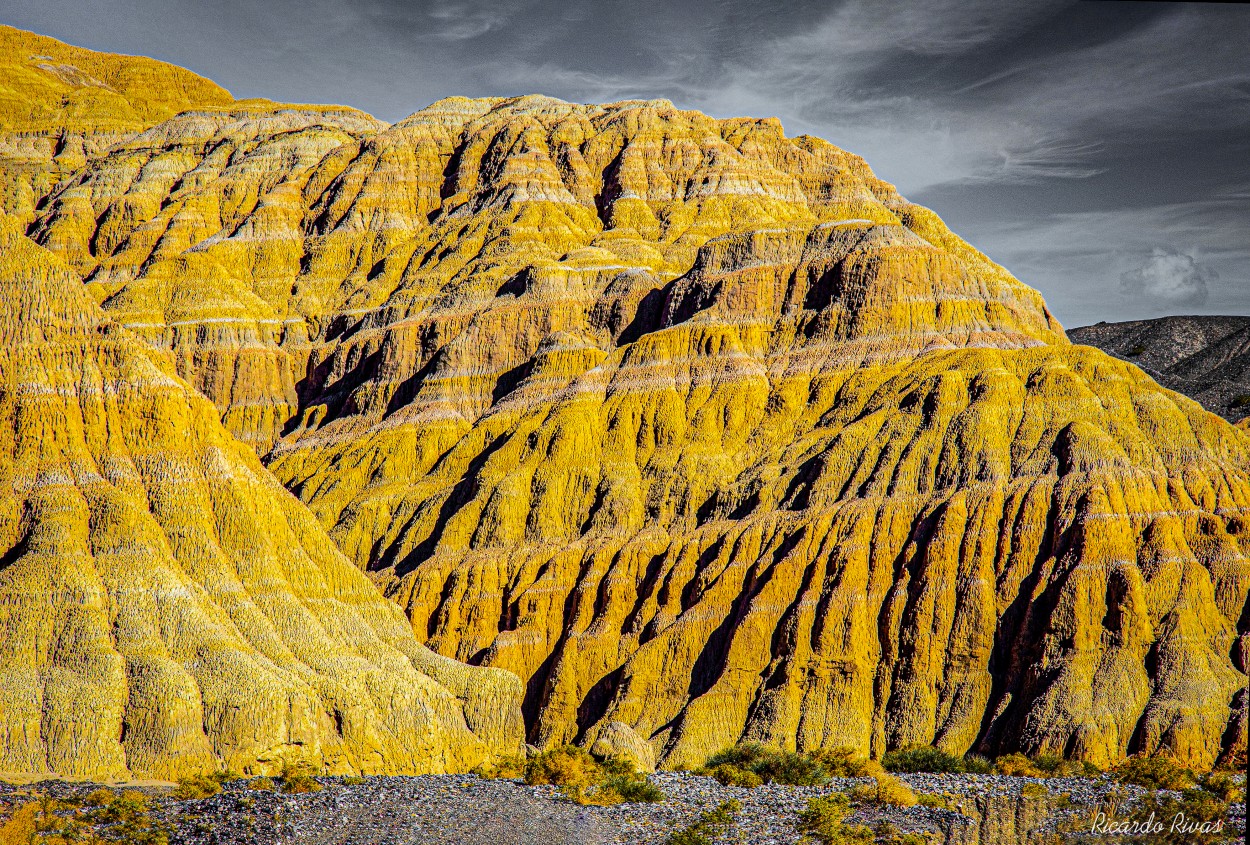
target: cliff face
<point>1206,358</point>
<point>165,606</point>
<point>697,428</point>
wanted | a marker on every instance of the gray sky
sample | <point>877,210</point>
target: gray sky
<point>1099,150</point>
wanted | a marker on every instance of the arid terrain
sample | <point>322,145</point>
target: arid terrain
<point>393,449</point>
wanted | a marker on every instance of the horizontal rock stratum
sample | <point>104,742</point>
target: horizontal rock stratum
<point>704,432</point>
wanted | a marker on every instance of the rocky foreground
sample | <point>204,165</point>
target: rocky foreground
<point>467,809</point>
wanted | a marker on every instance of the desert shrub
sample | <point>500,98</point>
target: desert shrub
<point>619,789</point>
<point>885,789</point>
<point>888,834</point>
<point>845,763</point>
<point>730,775</point>
<point>586,780</point>
<point>1241,400</point>
<point>1017,765</point>
<point>975,764</point>
<point>297,778</point>
<point>196,786</point>
<point>1034,790</point>
<point>824,821</point>
<point>351,780</point>
<point>924,759</point>
<point>770,765</point>
<point>1157,772</point>
<point>125,817</point>
<point>1222,787</point>
<point>1137,349</point>
<point>99,797</point>
<point>709,827</point>
<point>261,784</point>
<point>933,800</point>
<point>1043,766</point>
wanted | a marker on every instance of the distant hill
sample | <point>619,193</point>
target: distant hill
<point>1206,358</point>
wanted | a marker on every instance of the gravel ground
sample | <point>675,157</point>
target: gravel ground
<point>466,810</point>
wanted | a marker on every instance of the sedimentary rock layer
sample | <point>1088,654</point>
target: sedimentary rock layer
<point>703,431</point>
<point>61,105</point>
<point>165,606</point>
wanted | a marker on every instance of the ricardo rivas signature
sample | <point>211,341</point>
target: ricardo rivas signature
<point>1178,823</point>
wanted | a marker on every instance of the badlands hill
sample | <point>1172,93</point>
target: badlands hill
<point>704,432</point>
<point>1206,358</point>
<point>167,606</point>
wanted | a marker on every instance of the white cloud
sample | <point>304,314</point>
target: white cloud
<point>1168,277</point>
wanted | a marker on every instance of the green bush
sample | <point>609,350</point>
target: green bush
<point>196,786</point>
<point>351,780</point>
<point>730,775</point>
<point>924,759</point>
<point>633,790</point>
<point>933,800</point>
<point>733,766</point>
<point>1157,772</point>
<point>709,827</point>
<point>824,821</point>
<point>126,818</point>
<point>1034,790</point>
<point>1222,787</point>
<point>261,784</point>
<point>888,834</point>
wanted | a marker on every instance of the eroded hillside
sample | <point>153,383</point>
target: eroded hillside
<point>165,606</point>
<point>695,427</point>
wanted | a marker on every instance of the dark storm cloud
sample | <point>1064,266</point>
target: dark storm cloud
<point>1072,141</point>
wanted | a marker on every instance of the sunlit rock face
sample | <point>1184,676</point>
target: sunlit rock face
<point>166,608</point>
<point>61,106</point>
<point>703,431</point>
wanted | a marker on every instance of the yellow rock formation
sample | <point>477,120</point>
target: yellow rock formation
<point>61,105</point>
<point>165,606</point>
<point>703,431</point>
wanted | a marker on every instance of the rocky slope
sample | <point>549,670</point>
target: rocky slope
<point>703,431</point>
<point>165,606</point>
<point>1206,358</point>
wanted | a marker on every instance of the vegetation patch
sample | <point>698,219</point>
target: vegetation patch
<point>202,786</point>
<point>581,777</point>
<point>885,790</point>
<point>1043,766</point>
<point>103,817</point>
<point>298,778</point>
<point>1154,772</point>
<point>752,764</point>
<point>934,760</point>
<point>709,827</point>
<point>824,821</point>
